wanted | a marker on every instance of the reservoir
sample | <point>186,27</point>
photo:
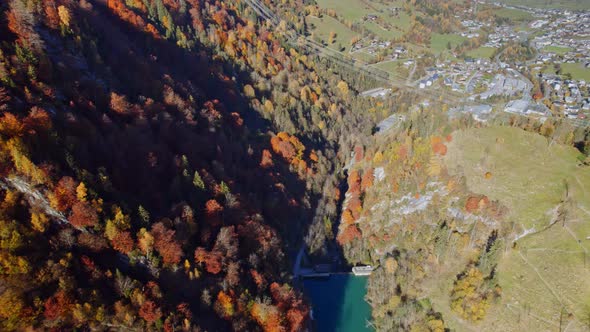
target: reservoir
<point>339,303</point>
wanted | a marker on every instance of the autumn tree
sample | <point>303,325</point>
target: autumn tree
<point>224,305</point>
<point>65,193</point>
<point>266,160</point>
<point>470,297</point>
<point>213,211</point>
<point>57,306</point>
<point>165,243</point>
<point>150,311</point>
<point>123,242</point>
<point>83,214</point>
<point>212,260</point>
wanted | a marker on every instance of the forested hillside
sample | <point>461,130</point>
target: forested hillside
<point>468,224</point>
<point>159,162</point>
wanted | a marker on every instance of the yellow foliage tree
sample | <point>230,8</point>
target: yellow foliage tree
<point>64,15</point>
<point>39,221</point>
<point>81,192</point>
<point>343,87</point>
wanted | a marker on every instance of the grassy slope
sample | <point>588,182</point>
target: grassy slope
<point>439,42</point>
<point>482,52</point>
<point>546,272</point>
<point>349,9</point>
<point>355,11</point>
<point>327,24</point>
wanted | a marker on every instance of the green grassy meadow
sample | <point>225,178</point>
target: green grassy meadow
<point>546,273</point>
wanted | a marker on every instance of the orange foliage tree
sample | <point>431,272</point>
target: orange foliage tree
<point>57,306</point>
<point>349,234</point>
<point>65,193</point>
<point>83,214</point>
<point>288,146</point>
<point>150,311</point>
<point>267,316</point>
<point>123,242</point>
<point>224,305</point>
<point>212,260</point>
<point>367,180</point>
<point>266,160</point>
<point>166,244</point>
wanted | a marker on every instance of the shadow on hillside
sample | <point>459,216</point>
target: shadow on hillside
<point>134,64</point>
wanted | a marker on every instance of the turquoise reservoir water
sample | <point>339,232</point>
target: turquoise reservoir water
<point>338,303</point>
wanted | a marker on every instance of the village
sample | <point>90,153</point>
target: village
<point>555,81</point>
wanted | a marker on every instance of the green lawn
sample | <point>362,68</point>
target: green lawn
<point>514,14</point>
<point>482,52</point>
<point>557,49</point>
<point>439,42</point>
<point>396,67</point>
<point>577,70</point>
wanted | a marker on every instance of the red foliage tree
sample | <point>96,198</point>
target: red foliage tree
<point>349,234</point>
<point>359,153</point>
<point>355,206</point>
<point>150,311</point>
<point>51,16</point>
<point>165,243</point>
<point>367,181</point>
<point>213,211</point>
<point>266,160</point>
<point>37,121</point>
<point>259,279</point>
<point>475,203</point>
<point>119,103</point>
<point>354,182</point>
<point>123,242</point>
<point>296,318</point>
<point>57,306</point>
<point>83,214</point>
<point>65,193</point>
<point>440,148</point>
<point>212,260</point>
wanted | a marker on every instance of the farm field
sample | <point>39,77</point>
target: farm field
<point>545,273</point>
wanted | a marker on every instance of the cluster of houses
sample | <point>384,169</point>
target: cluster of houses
<point>571,32</point>
<point>373,46</point>
<point>571,97</point>
<point>503,34</point>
